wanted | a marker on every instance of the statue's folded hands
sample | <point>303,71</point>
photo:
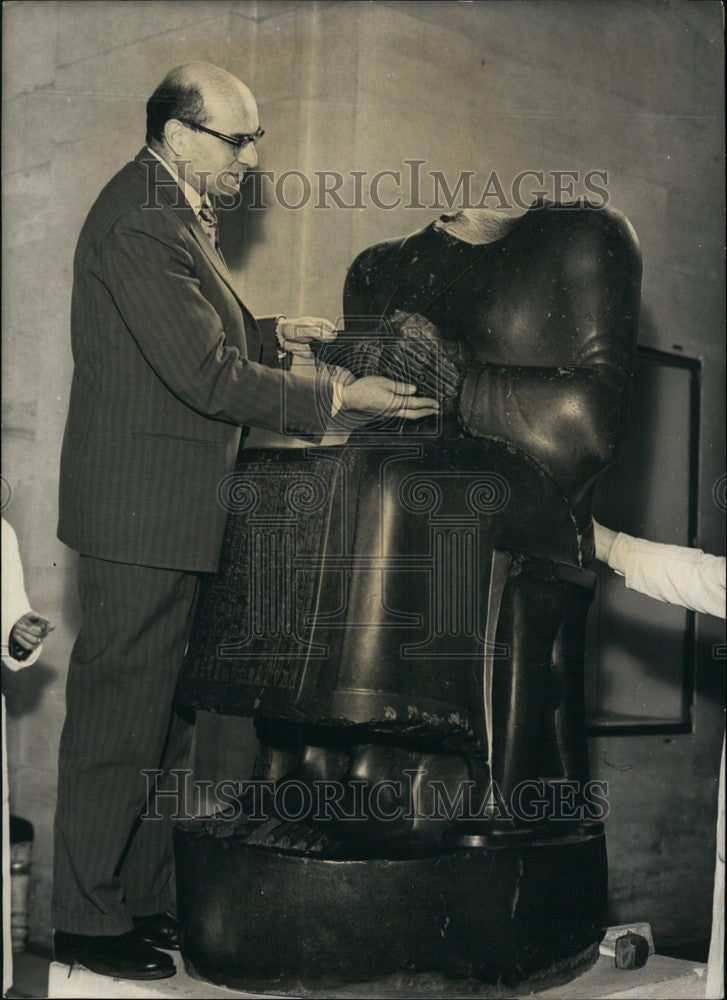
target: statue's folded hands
<point>421,356</point>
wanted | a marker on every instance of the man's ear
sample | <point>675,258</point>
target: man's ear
<point>174,134</point>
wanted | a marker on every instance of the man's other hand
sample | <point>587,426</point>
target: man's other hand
<point>375,397</point>
<point>296,335</point>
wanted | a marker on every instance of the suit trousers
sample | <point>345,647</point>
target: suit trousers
<point>111,862</point>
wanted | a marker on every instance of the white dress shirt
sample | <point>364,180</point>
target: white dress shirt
<point>688,577</point>
<point>15,604</point>
<point>15,601</point>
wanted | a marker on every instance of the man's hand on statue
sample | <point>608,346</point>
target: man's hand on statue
<point>375,397</point>
<point>296,335</point>
<point>422,359</point>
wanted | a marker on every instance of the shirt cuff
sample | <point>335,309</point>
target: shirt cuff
<point>278,335</point>
<point>620,551</point>
<point>12,664</point>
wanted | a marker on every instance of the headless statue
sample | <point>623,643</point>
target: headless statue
<point>540,311</point>
<point>435,620</point>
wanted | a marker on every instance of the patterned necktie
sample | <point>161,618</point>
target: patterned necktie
<point>208,218</point>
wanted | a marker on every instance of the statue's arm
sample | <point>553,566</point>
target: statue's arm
<point>570,417</point>
<point>366,293</point>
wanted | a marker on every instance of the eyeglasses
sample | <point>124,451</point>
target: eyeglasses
<point>238,142</point>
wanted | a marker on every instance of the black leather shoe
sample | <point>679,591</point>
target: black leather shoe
<point>159,930</point>
<point>122,955</point>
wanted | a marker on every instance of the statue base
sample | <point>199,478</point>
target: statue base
<point>520,911</point>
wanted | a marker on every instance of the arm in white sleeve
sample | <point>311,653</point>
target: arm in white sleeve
<point>15,601</point>
<point>671,573</point>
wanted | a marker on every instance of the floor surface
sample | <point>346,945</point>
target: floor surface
<point>661,979</point>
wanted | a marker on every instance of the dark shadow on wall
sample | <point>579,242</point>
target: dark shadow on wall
<point>23,689</point>
<point>641,654</point>
<point>242,223</point>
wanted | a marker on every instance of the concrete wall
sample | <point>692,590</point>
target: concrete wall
<point>633,89</point>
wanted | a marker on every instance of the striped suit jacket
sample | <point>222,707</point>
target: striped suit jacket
<point>168,366</point>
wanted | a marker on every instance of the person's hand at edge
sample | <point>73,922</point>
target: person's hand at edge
<point>27,634</point>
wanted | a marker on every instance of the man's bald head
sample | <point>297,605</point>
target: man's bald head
<point>195,91</point>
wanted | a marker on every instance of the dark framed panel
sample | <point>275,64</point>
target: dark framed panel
<point>640,653</point>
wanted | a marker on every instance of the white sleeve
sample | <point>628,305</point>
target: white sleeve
<point>671,573</point>
<point>15,601</point>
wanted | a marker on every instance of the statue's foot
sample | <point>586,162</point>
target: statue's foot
<point>284,835</point>
<point>506,832</point>
<point>329,839</point>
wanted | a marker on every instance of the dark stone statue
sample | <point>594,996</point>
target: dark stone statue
<point>404,617</point>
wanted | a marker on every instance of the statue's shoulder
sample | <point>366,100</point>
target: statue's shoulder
<point>584,233</point>
<point>370,264</point>
<point>377,271</point>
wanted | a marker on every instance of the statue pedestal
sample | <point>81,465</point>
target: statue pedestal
<point>395,608</point>
<point>531,912</point>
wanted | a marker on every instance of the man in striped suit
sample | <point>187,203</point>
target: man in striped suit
<point>169,365</point>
